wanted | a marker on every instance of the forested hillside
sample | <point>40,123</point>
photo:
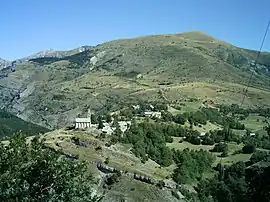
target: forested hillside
<point>9,124</point>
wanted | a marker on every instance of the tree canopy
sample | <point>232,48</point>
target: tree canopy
<point>30,172</point>
<point>9,124</point>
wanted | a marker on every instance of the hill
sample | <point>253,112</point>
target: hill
<point>169,158</point>
<point>167,68</point>
<point>9,124</point>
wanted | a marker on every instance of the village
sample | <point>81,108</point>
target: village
<point>107,127</point>
<point>191,130</point>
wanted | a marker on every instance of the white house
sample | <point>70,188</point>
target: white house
<point>122,124</point>
<point>82,122</point>
<point>202,134</point>
<point>136,106</point>
<point>107,128</point>
<point>153,114</point>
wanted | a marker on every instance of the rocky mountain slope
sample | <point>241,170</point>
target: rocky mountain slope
<point>55,53</point>
<point>3,63</point>
<point>51,90</point>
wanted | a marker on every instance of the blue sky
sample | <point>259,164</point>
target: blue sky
<point>28,26</point>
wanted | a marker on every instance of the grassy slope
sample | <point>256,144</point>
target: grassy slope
<point>119,155</point>
<point>232,158</point>
<point>254,123</point>
<point>131,190</point>
<point>135,191</point>
<point>193,64</point>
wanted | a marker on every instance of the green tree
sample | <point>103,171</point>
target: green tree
<point>220,147</point>
<point>117,129</point>
<point>94,119</point>
<point>267,128</point>
<point>228,185</point>
<point>225,152</point>
<point>248,149</point>
<point>100,122</point>
<point>191,165</point>
<point>179,119</point>
<point>10,124</point>
<point>117,133</point>
<point>31,173</point>
<point>108,118</point>
<point>258,178</point>
<point>258,156</point>
<point>126,113</point>
<point>149,140</point>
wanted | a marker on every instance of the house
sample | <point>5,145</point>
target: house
<point>124,125</point>
<point>139,76</point>
<point>83,123</point>
<point>202,134</point>
<point>107,128</point>
<point>153,114</point>
<point>136,106</point>
<point>252,134</point>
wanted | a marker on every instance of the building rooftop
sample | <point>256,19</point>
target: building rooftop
<point>82,120</point>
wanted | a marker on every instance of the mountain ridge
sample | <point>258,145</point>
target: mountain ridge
<point>53,91</point>
<point>188,34</point>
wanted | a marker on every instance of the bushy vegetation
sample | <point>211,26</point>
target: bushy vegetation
<point>211,137</point>
<point>45,60</point>
<point>228,185</point>
<point>248,149</point>
<point>259,141</point>
<point>204,115</point>
<point>9,124</point>
<point>31,173</point>
<point>220,147</point>
<point>214,116</point>
<point>191,165</point>
<point>235,110</point>
<point>76,60</point>
<point>149,140</point>
<point>259,156</point>
<point>237,183</point>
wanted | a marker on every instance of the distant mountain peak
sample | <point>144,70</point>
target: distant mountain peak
<point>46,51</point>
<point>198,35</point>
<point>4,63</point>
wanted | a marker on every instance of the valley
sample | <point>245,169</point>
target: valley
<point>202,144</point>
<point>192,129</point>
